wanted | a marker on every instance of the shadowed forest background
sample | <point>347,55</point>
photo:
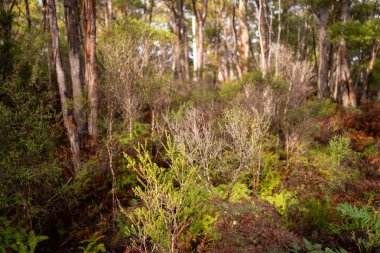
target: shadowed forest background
<point>189,126</point>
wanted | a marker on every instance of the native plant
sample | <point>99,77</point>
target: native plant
<point>363,224</point>
<point>135,59</point>
<point>246,132</point>
<point>171,203</point>
<point>194,137</point>
<point>18,239</point>
<point>339,149</point>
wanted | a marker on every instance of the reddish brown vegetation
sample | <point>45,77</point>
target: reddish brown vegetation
<point>246,228</point>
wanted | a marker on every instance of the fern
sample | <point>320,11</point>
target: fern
<point>362,220</point>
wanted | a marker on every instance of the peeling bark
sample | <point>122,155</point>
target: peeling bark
<point>91,71</point>
<point>61,80</point>
<point>73,41</point>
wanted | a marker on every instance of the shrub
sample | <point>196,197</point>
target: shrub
<point>363,224</point>
<point>172,204</point>
<point>339,149</point>
<point>18,239</point>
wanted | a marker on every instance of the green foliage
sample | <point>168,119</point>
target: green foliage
<point>30,135</point>
<point>282,200</point>
<point>339,149</point>
<point>316,214</point>
<point>363,224</point>
<point>271,176</point>
<point>317,248</point>
<point>237,194</point>
<point>356,32</point>
<point>17,239</point>
<point>92,244</point>
<point>229,90</point>
<point>370,151</point>
<point>172,204</point>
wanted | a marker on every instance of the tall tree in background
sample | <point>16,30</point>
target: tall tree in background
<point>200,12</point>
<point>344,76</point>
<point>264,36</point>
<point>340,79</point>
<point>323,14</point>
<point>27,13</point>
<point>108,15</point>
<point>181,60</point>
<point>148,10</point>
<point>243,35</point>
<point>91,71</point>
<point>61,80</point>
<point>76,69</point>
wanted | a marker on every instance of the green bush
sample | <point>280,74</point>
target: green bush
<point>172,204</point>
<point>18,239</point>
<point>363,224</point>
<point>339,149</point>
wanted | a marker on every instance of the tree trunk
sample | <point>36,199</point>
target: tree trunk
<point>109,11</point>
<point>148,10</point>
<point>177,50</point>
<point>27,12</point>
<point>181,62</point>
<point>61,80</point>
<point>91,71</point>
<point>185,49</point>
<point>278,37</point>
<point>195,51</point>
<point>44,14</point>
<point>108,14</point>
<point>200,49</point>
<point>263,35</point>
<point>73,41</point>
<point>349,94</point>
<point>368,72</point>
<point>235,45</point>
<point>200,14</point>
<point>323,65</point>
<point>244,36</point>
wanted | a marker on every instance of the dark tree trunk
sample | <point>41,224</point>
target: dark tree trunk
<point>27,12</point>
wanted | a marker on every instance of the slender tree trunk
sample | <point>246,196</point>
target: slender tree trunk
<point>109,11</point>
<point>263,35</point>
<point>181,62</point>
<point>200,14</point>
<point>227,60</point>
<point>368,72</point>
<point>91,71</point>
<point>244,36</point>
<point>200,51</point>
<point>108,14</point>
<point>278,37</point>
<point>195,51</point>
<point>323,65</point>
<point>61,79</point>
<point>185,49</point>
<point>73,41</point>
<point>177,50</point>
<point>148,10</point>
<point>235,45</point>
<point>27,12</point>
<point>349,94</point>
<point>44,15</point>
